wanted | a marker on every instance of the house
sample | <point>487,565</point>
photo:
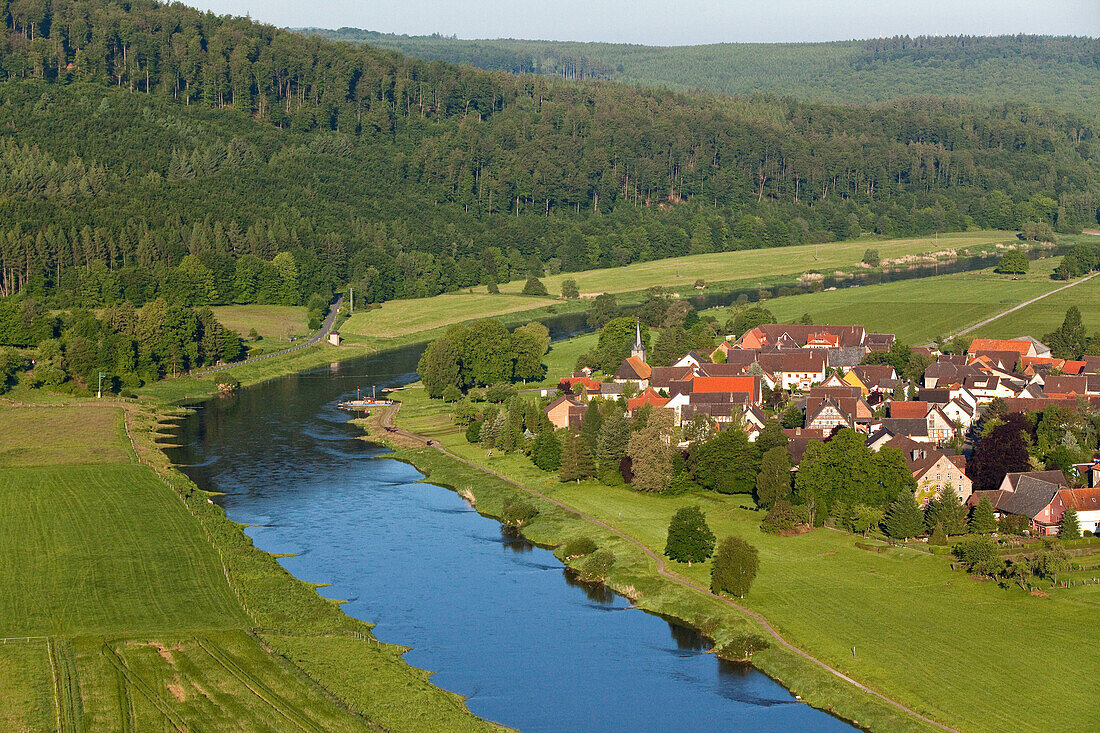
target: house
<point>827,417</point>
<point>915,428</point>
<point>933,469</point>
<point>334,338</point>
<point>694,359</point>
<point>633,370</point>
<point>607,391</point>
<point>795,369</point>
<point>879,378</point>
<point>747,385</point>
<point>879,438</point>
<point>649,397</point>
<point>798,439</point>
<point>910,410</point>
<point>661,377</point>
<point>565,412</point>
<point>948,370</point>
<point>1041,349</point>
<point>993,362</point>
<point>987,388</point>
<point>1087,504</point>
<point>1033,495</point>
<point>938,426</point>
<point>880,342</point>
<point>577,384</point>
<point>1092,364</point>
<point>1021,347</point>
<point>846,398</point>
<point>1083,385</point>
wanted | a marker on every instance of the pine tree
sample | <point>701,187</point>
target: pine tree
<point>734,568</point>
<point>689,538</point>
<point>938,537</point>
<point>904,518</point>
<point>983,520</point>
<point>611,447</point>
<point>1070,526</point>
<point>570,457</point>
<point>946,510</point>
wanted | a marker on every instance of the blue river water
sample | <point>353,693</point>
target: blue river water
<point>497,619</point>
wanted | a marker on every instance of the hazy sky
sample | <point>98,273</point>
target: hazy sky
<point>670,22</point>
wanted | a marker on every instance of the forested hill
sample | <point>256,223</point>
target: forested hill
<point>151,150</point>
<point>1051,71</point>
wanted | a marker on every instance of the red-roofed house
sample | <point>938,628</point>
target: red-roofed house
<point>1021,347</point>
<point>908,410</point>
<point>633,369</point>
<point>1087,504</point>
<point>748,384</point>
<point>649,397</point>
<point>566,411</point>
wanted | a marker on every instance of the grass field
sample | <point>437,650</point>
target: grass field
<point>401,317</point>
<point>1046,315</point>
<point>918,311</point>
<point>270,321</point>
<point>755,266</point>
<point>128,598</point>
<point>900,621</point>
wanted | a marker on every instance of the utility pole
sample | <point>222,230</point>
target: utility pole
<point>351,294</point>
<point>99,392</point>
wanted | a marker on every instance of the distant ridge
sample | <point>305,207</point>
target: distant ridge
<point>1061,72</point>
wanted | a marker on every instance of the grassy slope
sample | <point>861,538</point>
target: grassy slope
<point>901,621</point>
<point>132,585</point>
<point>918,311</point>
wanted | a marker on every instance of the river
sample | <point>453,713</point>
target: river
<point>495,618</point>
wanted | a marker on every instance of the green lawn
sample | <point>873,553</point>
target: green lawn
<point>749,266</point>
<point>920,310</point>
<point>40,436</point>
<point>901,621</point>
<point>1046,315</point>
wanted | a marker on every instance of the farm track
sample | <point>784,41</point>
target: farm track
<point>663,569</point>
<point>66,686</point>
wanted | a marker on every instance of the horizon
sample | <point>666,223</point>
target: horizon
<point>693,23</point>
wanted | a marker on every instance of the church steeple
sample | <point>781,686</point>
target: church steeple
<point>638,349</point>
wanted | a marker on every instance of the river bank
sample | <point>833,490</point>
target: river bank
<point>634,575</point>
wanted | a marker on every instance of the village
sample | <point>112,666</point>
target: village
<point>817,380</point>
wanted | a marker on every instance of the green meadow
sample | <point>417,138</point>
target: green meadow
<point>130,603</point>
<point>1046,315</point>
<point>918,310</point>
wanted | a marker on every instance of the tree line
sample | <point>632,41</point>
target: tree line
<point>167,132</point>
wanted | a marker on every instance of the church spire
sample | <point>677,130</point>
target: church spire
<point>638,349</point>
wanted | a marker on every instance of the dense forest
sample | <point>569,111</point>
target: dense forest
<point>1057,72</point>
<point>152,151</point>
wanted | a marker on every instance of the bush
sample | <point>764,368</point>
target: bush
<point>493,288</point>
<point>741,648</point>
<point>569,289</point>
<point>979,554</point>
<point>597,566</point>
<point>783,517</point>
<point>871,257</point>
<point>1012,524</point>
<point>517,512</point>
<point>578,547</point>
<point>499,392</point>
<point>473,431</point>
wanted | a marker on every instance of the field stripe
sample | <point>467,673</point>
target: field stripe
<point>143,687</point>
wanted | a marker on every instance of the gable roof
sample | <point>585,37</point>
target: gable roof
<point>1014,480</point>
<point>1028,499</point>
<point>1019,346</point>
<point>799,334</point>
<point>633,368</point>
<point>748,385</point>
<point>906,426</point>
<point>1083,500</point>
<point>660,377</point>
<point>908,410</point>
<point>648,397</point>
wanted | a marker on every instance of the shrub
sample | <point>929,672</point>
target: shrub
<point>741,648</point>
<point>734,567</point>
<point>499,392</point>
<point>938,537</point>
<point>569,288</point>
<point>578,547</point>
<point>473,431</point>
<point>1012,524</point>
<point>783,517</point>
<point>517,512</point>
<point>597,566</point>
<point>493,288</point>
<point>979,555</point>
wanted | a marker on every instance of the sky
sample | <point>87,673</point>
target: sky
<point>678,22</point>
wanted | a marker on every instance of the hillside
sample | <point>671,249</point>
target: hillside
<point>151,150</point>
<point>1055,72</point>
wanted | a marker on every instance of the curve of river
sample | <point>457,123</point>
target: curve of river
<point>497,619</point>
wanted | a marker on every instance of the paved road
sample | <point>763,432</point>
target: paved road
<point>323,333</point>
<point>1015,308</point>
<point>663,570</point>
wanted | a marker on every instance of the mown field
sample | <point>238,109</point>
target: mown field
<point>402,317</point>
<point>128,598</point>
<point>748,267</point>
<point>270,321</point>
<point>921,310</point>
<point>900,621</point>
<point>1047,314</point>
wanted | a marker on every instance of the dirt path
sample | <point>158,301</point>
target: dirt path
<point>1015,308</point>
<point>414,440</point>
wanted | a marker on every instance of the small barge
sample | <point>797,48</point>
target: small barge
<point>361,403</point>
